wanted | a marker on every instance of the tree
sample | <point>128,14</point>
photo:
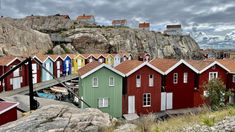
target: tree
<point>216,93</point>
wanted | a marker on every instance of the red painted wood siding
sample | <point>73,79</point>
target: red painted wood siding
<point>1,73</point>
<point>55,66</point>
<point>230,83</point>
<point>203,79</point>
<point>8,86</point>
<point>182,92</point>
<point>138,92</point>
<point>8,116</point>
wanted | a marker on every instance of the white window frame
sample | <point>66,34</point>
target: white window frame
<point>110,81</point>
<point>215,75</point>
<point>138,81</point>
<point>185,79</point>
<point>175,78</point>
<point>103,102</point>
<point>93,81</point>
<point>146,102</point>
<point>151,80</point>
<point>234,78</point>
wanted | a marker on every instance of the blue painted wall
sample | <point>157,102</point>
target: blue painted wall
<point>49,65</point>
<point>67,66</point>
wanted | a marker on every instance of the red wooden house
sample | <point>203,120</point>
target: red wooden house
<point>144,26</point>
<point>178,83</point>
<point>144,56</point>
<point>88,58</point>
<point>57,65</point>
<point>230,65</point>
<point>208,69</point>
<point>15,80</point>
<point>99,57</point>
<point>141,87</point>
<point>8,112</point>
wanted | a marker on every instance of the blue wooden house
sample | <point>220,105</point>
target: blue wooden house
<point>47,62</point>
<point>67,65</point>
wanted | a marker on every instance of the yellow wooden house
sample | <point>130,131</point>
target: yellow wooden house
<point>109,59</point>
<point>80,60</point>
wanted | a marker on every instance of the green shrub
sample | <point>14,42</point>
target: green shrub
<point>208,121</point>
<point>50,51</point>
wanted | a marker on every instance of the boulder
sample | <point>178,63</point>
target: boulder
<point>60,118</point>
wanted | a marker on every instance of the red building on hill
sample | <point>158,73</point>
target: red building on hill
<point>141,88</point>
<point>178,83</point>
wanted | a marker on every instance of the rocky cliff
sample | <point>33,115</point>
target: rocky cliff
<point>18,40</point>
<point>109,40</point>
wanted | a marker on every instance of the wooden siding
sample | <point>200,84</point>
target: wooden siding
<point>130,89</point>
<point>8,116</point>
<point>114,93</point>
<point>44,72</point>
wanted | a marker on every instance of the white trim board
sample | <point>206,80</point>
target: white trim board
<point>179,63</point>
<point>13,61</point>
<point>48,57</point>
<point>212,64</point>
<point>142,65</point>
<point>101,66</point>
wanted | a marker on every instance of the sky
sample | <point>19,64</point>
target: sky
<point>215,17</point>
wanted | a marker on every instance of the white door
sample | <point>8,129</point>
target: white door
<point>16,73</point>
<point>34,71</point>
<point>79,62</point>
<point>131,104</point>
<point>47,74</point>
<point>169,99</point>
<point>163,101</point>
<point>67,67</point>
<point>58,68</point>
<point>16,82</point>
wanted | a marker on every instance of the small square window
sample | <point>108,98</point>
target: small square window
<point>146,100</point>
<point>103,102</point>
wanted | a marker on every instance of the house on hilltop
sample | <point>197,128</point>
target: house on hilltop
<point>86,19</point>
<point>144,26</point>
<point>119,23</point>
<point>173,29</point>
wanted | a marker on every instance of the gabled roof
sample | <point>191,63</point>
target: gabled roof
<point>97,56</point>
<point>228,63</point>
<point>64,56</point>
<point>42,58</point>
<point>93,67</point>
<point>203,65</point>
<point>7,60</point>
<point>86,55</point>
<point>80,55</point>
<point>107,55</point>
<point>55,57</point>
<point>72,56</point>
<point>85,17</point>
<point>130,66</point>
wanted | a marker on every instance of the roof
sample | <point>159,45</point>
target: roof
<point>119,21</point>
<point>72,56</point>
<point>86,55</point>
<point>203,65</point>
<point>163,64</point>
<point>42,58</point>
<point>228,63</point>
<point>144,25</point>
<point>97,56</point>
<point>7,60</point>
<point>94,66</point>
<point>130,66</point>
<point>55,57</point>
<point>6,106</point>
<point>85,17</point>
<point>173,26</point>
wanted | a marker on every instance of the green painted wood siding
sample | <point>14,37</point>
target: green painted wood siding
<point>114,93</point>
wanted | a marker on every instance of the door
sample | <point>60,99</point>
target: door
<point>79,62</point>
<point>169,98</point>
<point>163,101</point>
<point>67,67</point>
<point>131,104</point>
<point>58,69</point>
<point>34,72</point>
<point>16,82</point>
<point>47,74</point>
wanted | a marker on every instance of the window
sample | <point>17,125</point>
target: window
<point>213,75</point>
<point>234,78</point>
<point>94,82</point>
<point>103,102</point>
<point>151,80</point>
<point>185,77</point>
<point>147,100</point>
<point>111,81</point>
<point>138,81</point>
<point>175,78</point>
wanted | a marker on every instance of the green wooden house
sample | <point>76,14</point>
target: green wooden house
<point>100,86</point>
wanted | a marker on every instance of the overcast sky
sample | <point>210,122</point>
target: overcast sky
<point>213,16</point>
